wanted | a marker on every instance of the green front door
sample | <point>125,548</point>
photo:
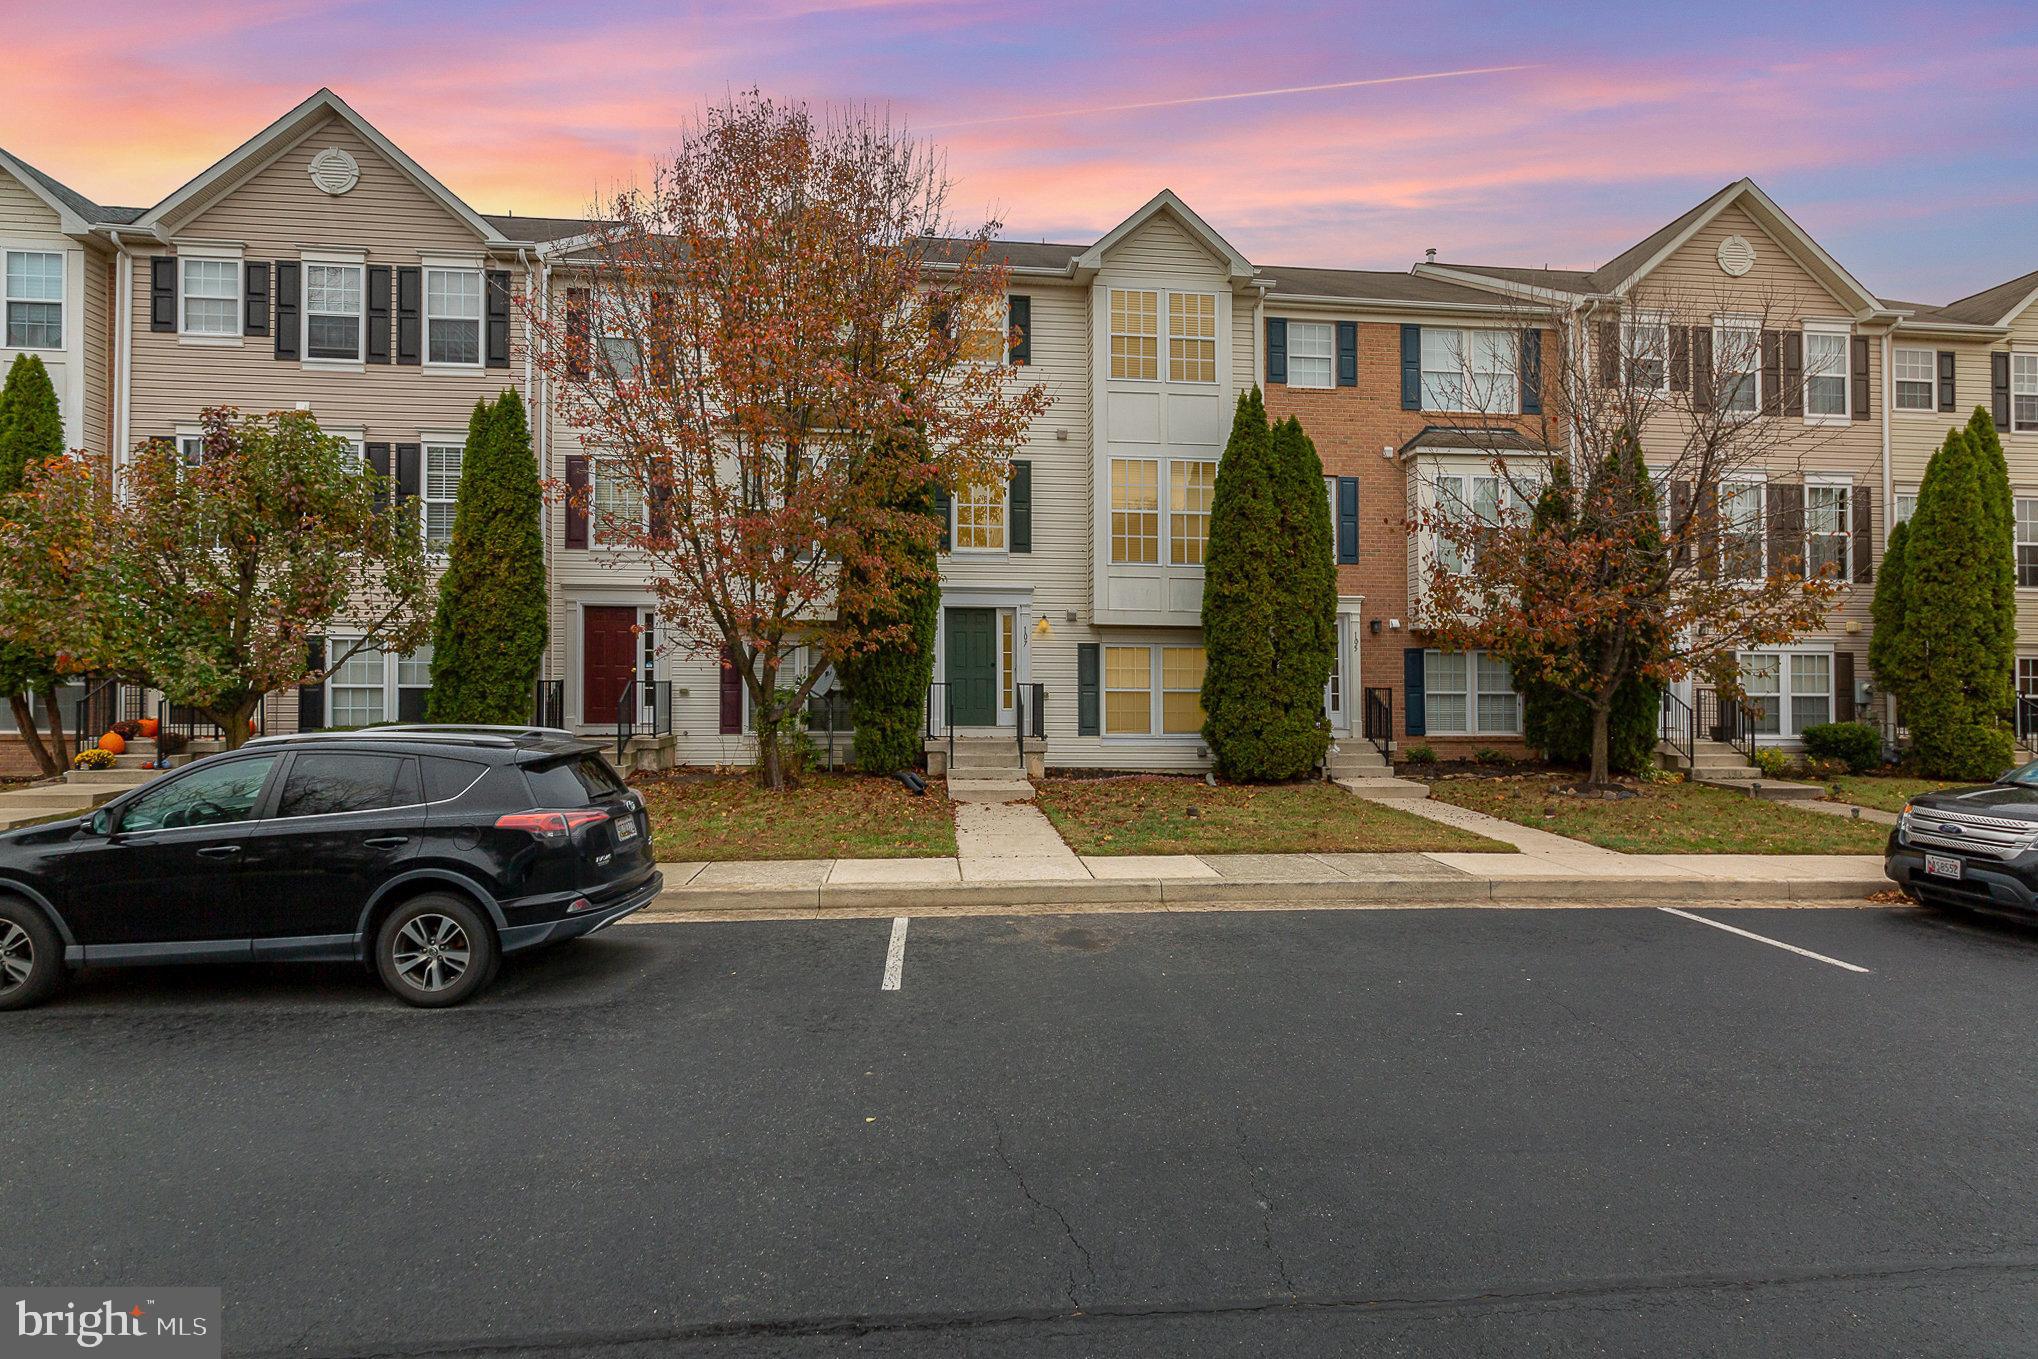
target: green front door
<point>973,666</point>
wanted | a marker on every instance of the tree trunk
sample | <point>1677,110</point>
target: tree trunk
<point>61,753</point>
<point>234,719</point>
<point>24,722</point>
<point>1600,776</point>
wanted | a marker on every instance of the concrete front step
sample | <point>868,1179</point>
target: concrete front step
<point>1384,787</point>
<point>989,790</point>
<point>119,775</point>
<point>959,770</point>
<point>1769,790</point>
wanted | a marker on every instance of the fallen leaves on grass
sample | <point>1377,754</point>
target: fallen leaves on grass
<point>720,816</point>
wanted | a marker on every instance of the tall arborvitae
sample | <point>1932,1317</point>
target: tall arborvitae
<point>1950,634</point>
<point>888,684</point>
<point>1886,653</point>
<point>1305,587</point>
<point>31,430</point>
<point>1243,631</point>
<point>488,637</point>
<point>2002,527</point>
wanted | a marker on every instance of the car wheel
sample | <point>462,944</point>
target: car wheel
<point>435,950</point>
<point>31,956</point>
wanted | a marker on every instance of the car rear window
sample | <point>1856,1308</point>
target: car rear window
<point>572,782</point>
<point>327,782</point>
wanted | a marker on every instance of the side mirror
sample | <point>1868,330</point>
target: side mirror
<point>102,821</point>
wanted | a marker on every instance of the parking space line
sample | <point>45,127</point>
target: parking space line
<point>1764,939</point>
<point>895,956</point>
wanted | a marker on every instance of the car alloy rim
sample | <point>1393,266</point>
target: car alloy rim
<point>17,957</point>
<point>432,952</point>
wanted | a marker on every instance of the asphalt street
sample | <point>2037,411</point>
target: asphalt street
<point>1413,1132</point>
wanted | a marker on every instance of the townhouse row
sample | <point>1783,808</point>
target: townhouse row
<point>318,267</point>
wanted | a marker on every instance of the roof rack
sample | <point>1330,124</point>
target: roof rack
<point>466,736</point>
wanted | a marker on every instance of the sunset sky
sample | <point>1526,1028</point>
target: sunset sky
<point>1905,137</point>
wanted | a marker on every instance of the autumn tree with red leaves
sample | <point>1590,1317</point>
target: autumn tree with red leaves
<point>740,344</point>
<point>1683,538</point>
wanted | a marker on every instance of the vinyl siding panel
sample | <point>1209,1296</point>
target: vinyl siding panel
<point>100,274</point>
<point>22,212</point>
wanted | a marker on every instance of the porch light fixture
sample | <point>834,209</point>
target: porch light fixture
<point>1042,628</point>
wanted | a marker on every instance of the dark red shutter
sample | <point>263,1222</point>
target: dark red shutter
<point>576,502</point>
<point>576,332</point>
<point>1793,373</point>
<point>732,696</point>
<point>1772,373</point>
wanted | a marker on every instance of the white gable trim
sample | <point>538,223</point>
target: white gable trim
<point>69,222</point>
<point>1091,260</point>
<point>279,137</point>
<point>2018,310</point>
<point>1777,223</point>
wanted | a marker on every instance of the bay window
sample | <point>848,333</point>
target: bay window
<point>453,316</point>
<point>1311,354</point>
<point>1135,510</point>
<point>35,299</point>
<point>1135,331</point>
<point>1192,337</point>
<point>1191,486</point>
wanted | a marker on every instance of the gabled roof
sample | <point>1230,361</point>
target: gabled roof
<point>1997,306</point>
<point>1372,285</point>
<point>1166,202</point>
<point>76,213</point>
<point>279,136</point>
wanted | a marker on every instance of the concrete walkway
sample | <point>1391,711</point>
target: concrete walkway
<point>1848,809</point>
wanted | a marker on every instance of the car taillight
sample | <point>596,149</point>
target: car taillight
<point>554,827</point>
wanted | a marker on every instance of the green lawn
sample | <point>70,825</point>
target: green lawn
<point>1884,792</point>
<point>1156,814</point>
<point>1667,818</point>
<point>828,816</point>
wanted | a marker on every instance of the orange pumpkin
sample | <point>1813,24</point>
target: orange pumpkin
<point>149,728</point>
<point>113,744</point>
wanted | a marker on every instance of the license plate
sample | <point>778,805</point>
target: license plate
<point>626,827</point>
<point>1940,866</point>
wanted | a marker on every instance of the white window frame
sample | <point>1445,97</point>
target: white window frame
<point>426,444</point>
<point>1178,474</point>
<point>1898,380</point>
<point>391,683</point>
<point>480,317</point>
<point>1506,391</point>
<point>2025,536</point>
<point>1845,533</point>
<point>1902,505</point>
<point>1178,317</point>
<point>1786,694</point>
<point>1310,342</point>
<point>1156,694</point>
<point>2024,384</point>
<point>185,334</point>
<point>61,301</point>
<point>998,499</point>
<point>1759,484</point>
<point>1159,511</point>
<point>1157,356</point>
<point>359,268</point>
<point>1472,692</point>
<point>1845,334</point>
<point>1724,327</point>
<point>1632,348</point>
<point>600,505</point>
<point>1462,505</point>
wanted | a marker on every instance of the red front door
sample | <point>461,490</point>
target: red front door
<point>608,651</point>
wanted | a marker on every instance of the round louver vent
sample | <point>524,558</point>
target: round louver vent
<point>1737,257</point>
<point>334,171</point>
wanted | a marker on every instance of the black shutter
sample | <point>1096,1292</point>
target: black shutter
<point>1411,368</point>
<point>311,695</point>
<point>1414,717</point>
<point>498,290</point>
<point>289,291</point>
<point>378,313</point>
<point>1089,660</point>
<point>941,513</point>
<point>1347,519</point>
<point>408,472</point>
<point>377,457</point>
<point>1999,391</point>
<point>1701,367</point>
<point>1864,540</point>
<point>575,518</point>
<point>1608,347</point>
<point>576,332</point>
<point>1786,528</point>
<point>1793,372</point>
<point>1860,366</point>
<point>1680,521</point>
<point>1532,372</point>
<point>254,298</point>
<point>1347,353</point>
<point>1019,320</point>
<point>163,293</point>
<point>1843,686</point>
<point>1945,379</point>
<point>1277,350</point>
<point>1680,358</point>
<point>409,315</point>
<point>731,693</point>
<point>1022,506</point>
<point>1772,373</point>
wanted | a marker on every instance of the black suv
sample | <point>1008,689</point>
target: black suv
<point>426,852</point>
<point>1970,846</point>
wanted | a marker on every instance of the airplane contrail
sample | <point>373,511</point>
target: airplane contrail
<point>1241,94</point>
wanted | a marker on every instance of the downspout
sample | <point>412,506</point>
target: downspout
<point>1888,486</point>
<point>123,351</point>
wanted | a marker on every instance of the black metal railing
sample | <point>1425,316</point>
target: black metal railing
<point>183,724</point>
<point>1721,717</point>
<point>2025,719</point>
<point>828,726</point>
<point>105,703</point>
<point>1378,721</point>
<point>1677,727</point>
<point>1030,716</point>
<point>548,704</point>
<point>941,716</point>
<point>631,721</point>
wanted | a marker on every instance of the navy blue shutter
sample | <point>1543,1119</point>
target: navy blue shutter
<point>1277,350</point>
<point>289,291</point>
<point>1089,659</point>
<point>255,298</point>
<point>311,697</point>
<point>1019,319</point>
<point>1413,720</point>
<point>1022,506</point>
<point>1347,353</point>
<point>1532,372</point>
<point>1347,519</point>
<point>497,286</point>
<point>1411,368</point>
<point>163,293</point>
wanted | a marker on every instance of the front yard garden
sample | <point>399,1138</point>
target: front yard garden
<point>701,815</point>
<point>1664,818</point>
<point>1158,814</point>
<point>1884,792</point>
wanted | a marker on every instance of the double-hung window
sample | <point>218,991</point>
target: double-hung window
<point>333,315</point>
<point>1468,693</point>
<point>1737,358</point>
<point>2023,392</point>
<point>1902,506</point>
<point>620,352</point>
<point>613,502</point>
<point>453,316</point>
<point>1192,337</point>
<point>1825,374</point>
<point>1789,691</point>
<point>1826,522</point>
<point>35,299</point>
<point>980,518</point>
<point>1471,499</point>
<point>1191,486</point>
<point>1311,354</point>
<point>1135,334</point>
<point>210,296</point>
<point>1740,517</point>
<point>441,488</point>
<point>2027,543</point>
<point>1135,510</point>
<point>1468,370</point>
<point>1646,351</point>
<point>356,691</point>
<point>1916,375</point>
